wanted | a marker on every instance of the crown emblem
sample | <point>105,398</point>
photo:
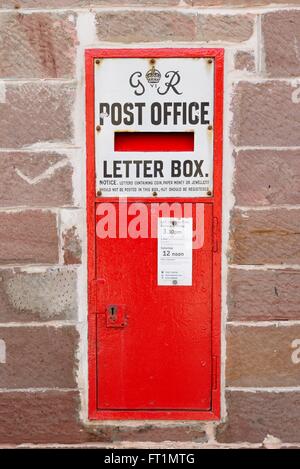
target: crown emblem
<point>153,76</point>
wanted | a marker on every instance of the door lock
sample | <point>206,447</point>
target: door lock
<point>115,316</point>
<point>113,311</point>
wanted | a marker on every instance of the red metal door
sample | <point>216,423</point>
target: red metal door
<point>159,358</point>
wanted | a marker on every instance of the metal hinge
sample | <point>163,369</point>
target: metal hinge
<point>214,372</point>
<point>215,234</point>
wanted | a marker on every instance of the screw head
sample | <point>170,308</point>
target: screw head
<point>208,193</point>
<point>97,61</point>
<point>98,128</point>
<point>152,61</point>
<point>209,127</point>
<point>154,194</point>
<point>99,193</point>
<point>209,61</point>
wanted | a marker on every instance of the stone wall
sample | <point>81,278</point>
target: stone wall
<point>43,311</point>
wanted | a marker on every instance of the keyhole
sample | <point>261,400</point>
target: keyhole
<point>113,312</point>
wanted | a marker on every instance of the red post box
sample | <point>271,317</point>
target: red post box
<point>154,191</point>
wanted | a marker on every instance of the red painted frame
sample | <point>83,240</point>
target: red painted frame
<point>216,199</point>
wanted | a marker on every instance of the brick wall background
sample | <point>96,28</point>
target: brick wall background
<point>43,344</point>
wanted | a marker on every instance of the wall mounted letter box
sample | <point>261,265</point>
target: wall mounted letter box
<point>154,190</point>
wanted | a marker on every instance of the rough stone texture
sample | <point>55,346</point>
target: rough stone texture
<point>253,416</point>
<point>155,433</point>
<point>255,295</point>
<point>145,26</point>
<point>41,417</point>
<point>110,3</point>
<point>71,246</point>
<point>37,296</point>
<point>229,28</point>
<point>142,26</point>
<point>267,177</point>
<point>35,179</point>
<point>240,3</point>
<point>244,60</point>
<point>38,357</point>
<point>45,45</point>
<point>36,112</point>
<point>281,39</point>
<point>86,3</point>
<point>265,237</point>
<point>28,237</point>
<point>261,356</point>
<point>52,417</point>
<point>266,114</point>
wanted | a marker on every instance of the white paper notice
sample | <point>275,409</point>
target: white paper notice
<point>175,251</point>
